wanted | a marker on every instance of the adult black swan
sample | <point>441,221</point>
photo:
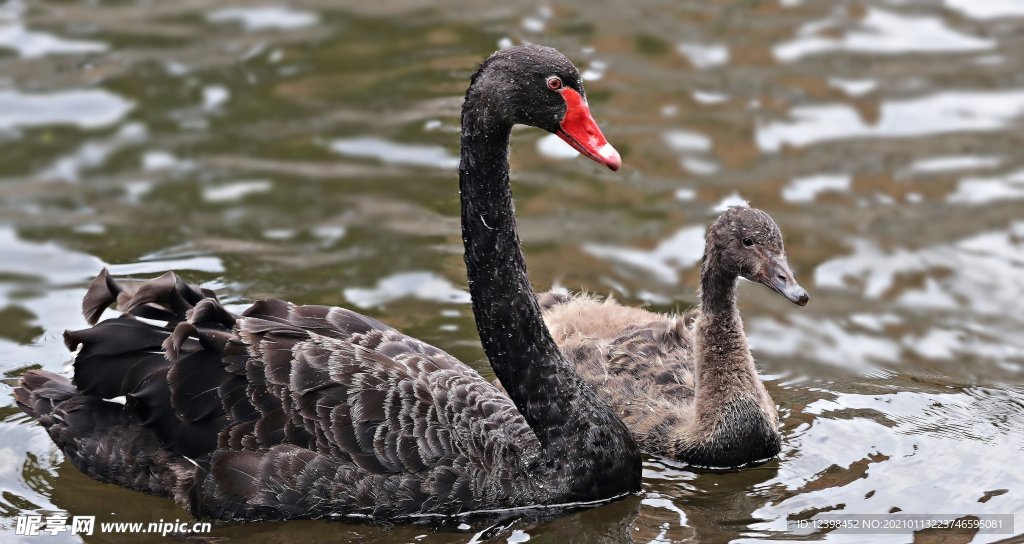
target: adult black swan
<point>686,385</point>
<point>293,411</point>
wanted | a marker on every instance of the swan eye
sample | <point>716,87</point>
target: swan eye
<point>748,242</point>
<point>554,83</point>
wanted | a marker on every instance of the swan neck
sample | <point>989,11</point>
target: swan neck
<point>722,350</point>
<point>717,286</point>
<point>508,318</point>
<point>735,421</point>
<point>563,411</point>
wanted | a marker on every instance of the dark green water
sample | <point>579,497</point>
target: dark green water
<point>308,153</point>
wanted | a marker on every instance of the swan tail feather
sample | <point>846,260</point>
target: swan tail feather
<point>165,298</point>
<point>170,373</point>
<point>101,439</point>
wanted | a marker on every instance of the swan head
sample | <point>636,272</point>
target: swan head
<point>538,86</point>
<point>748,243</point>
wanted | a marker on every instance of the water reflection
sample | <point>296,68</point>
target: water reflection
<point>420,285</point>
<point>90,108</point>
<point>807,189</point>
<point>703,56</point>
<point>936,114</point>
<point>264,17</point>
<point>853,87</point>
<point>899,435</point>
<point>682,250</point>
<point>955,162</point>
<point>383,150</point>
<point>94,153</point>
<point>990,9</point>
<point>33,43</point>
<point>236,190</point>
<point>880,32</point>
<point>553,147</point>
<point>307,151</point>
<point>974,190</point>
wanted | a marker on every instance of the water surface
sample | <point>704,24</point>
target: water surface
<point>307,151</point>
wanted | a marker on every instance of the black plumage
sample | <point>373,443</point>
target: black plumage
<point>292,411</point>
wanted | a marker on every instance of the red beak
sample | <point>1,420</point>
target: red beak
<point>579,130</point>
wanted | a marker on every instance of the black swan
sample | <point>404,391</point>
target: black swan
<point>686,385</point>
<point>292,411</point>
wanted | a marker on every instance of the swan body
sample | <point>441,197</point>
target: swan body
<point>303,411</point>
<point>289,411</point>
<point>686,385</point>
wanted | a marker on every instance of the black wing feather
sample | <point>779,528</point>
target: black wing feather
<point>288,411</point>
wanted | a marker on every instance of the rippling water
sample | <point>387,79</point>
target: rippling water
<point>307,152</point>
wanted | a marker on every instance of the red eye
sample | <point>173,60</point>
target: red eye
<point>554,83</point>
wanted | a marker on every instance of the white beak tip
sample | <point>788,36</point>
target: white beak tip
<point>610,157</point>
